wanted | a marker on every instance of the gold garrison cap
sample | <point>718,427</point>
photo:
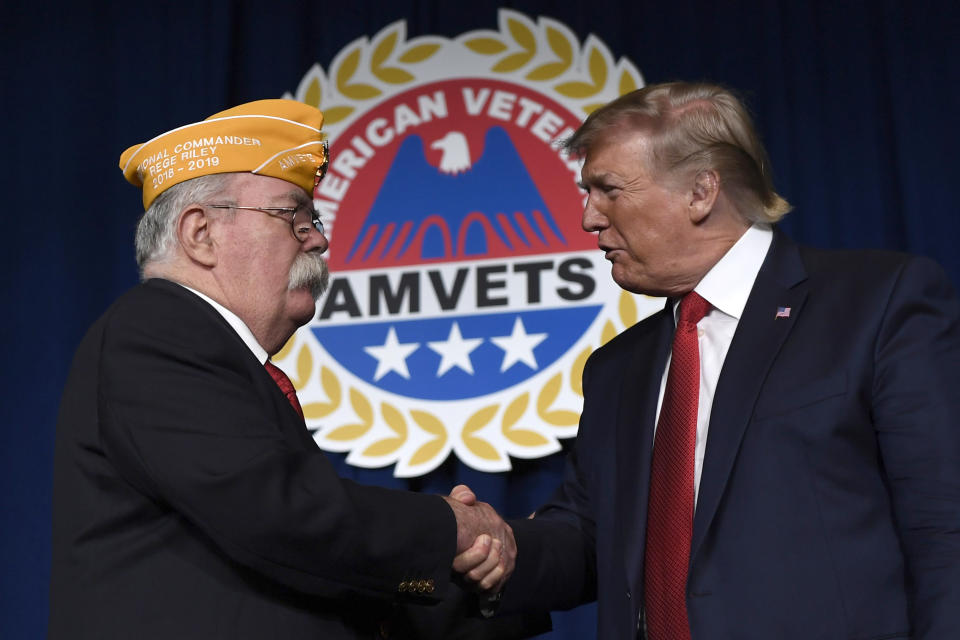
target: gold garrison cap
<point>277,138</point>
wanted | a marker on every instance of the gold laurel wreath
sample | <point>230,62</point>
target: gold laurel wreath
<point>518,35</point>
<point>520,45</point>
<point>379,59</point>
<point>434,426</point>
<point>562,47</point>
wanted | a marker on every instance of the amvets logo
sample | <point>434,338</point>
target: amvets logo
<point>465,298</point>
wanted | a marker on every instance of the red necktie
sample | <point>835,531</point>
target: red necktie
<point>285,385</point>
<point>670,514</point>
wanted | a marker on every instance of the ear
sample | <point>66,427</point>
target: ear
<point>706,188</point>
<point>193,233</point>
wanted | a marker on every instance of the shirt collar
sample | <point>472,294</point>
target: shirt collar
<point>238,325</point>
<point>728,283</point>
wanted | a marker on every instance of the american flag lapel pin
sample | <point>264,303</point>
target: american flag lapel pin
<point>782,312</point>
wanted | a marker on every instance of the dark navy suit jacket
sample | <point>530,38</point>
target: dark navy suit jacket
<point>829,505</point>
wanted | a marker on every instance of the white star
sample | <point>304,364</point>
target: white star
<point>392,355</point>
<point>455,351</point>
<point>518,346</point>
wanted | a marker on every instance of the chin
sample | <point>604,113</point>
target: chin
<point>301,307</point>
<point>634,286</point>
<point>622,279</point>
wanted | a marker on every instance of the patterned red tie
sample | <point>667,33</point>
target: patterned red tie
<point>670,515</point>
<point>285,385</point>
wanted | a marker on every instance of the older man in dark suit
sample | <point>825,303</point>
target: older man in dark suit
<point>189,499</point>
<point>776,454</point>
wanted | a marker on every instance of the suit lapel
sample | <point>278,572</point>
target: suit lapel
<point>289,422</point>
<point>759,336</point>
<point>634,438</point>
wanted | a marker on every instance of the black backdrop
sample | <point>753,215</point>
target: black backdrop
<point>857,102</point>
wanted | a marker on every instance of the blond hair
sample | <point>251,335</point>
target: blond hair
<point>691,127</point>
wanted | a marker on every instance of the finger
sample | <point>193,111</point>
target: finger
<point>464,494</point>
<point>493,581</point>
<point>509,547</point>
<point>490,563</point>
<point>508,560</point>
<point>474,556</point>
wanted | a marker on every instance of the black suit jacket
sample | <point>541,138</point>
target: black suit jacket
<point>829,503</point>
<point>190,502</point>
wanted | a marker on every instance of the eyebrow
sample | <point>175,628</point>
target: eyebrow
<point>603,175</point>
<point>586,179</point>
<point>299,197</point>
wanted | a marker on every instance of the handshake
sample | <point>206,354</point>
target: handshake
<point>486,549</point>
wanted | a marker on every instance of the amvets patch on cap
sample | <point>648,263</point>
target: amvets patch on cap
<point>277,138</point>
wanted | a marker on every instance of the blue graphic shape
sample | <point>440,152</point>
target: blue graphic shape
<point>414,190</point>
<point>563,328</point>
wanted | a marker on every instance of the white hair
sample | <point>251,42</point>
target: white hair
<point>157,230</point>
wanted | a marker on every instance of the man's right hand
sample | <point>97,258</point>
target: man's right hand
<point>486,549</point>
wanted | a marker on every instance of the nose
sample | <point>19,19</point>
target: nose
<point>592,219</point>
<point>315,241</point>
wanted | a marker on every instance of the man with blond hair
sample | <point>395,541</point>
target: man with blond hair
<point>190,501</point>
<point>776,454</point>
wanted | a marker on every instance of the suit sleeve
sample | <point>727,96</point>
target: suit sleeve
<point>556,561</point>
<point>458,618</point>
<point>916,405</point>
<point>184,422</point>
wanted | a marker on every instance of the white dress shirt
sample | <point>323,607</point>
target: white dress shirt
<point>238,325</point>
<point>726,287</point>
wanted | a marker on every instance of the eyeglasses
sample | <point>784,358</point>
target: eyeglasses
<point>302,218</point>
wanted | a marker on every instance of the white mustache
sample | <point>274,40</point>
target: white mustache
<point>309,270</point>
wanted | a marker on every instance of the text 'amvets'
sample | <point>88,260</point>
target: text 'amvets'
<point>277,138</point>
